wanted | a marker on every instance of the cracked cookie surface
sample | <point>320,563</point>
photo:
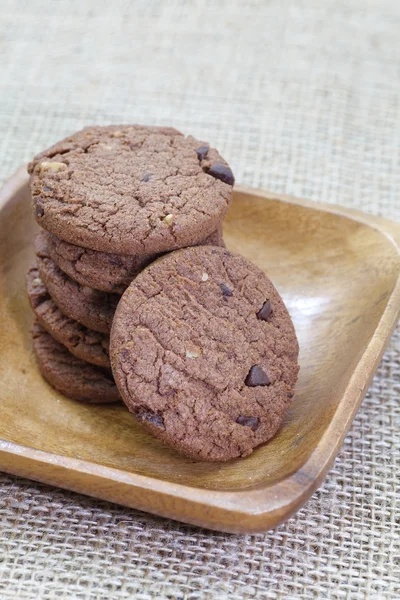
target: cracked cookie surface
<point>92,308</point>
<point>204,353</point>
<point>83,343</point>
<point>101,270</point>
<point>68,374</point>
<point>130,189</point>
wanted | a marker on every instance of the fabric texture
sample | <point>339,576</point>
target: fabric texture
<point>301,97</point>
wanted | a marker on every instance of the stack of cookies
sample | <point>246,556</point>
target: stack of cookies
<point>109,201</point>
<point>202,348</point>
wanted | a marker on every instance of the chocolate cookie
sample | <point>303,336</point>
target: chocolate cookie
<point>130,189</point>
<point>204,353</point>
<point>84,343</point>
<point>68,374</point>
<point>102,270</point>
<point>215,239</point>
<point>90,307</point>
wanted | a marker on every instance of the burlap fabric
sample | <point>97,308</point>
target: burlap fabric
<point>301,97</point>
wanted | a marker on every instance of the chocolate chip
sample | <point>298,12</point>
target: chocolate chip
<point>47,189</point>
<point>147,177</point>
<point>252,422</point>
<point>256,376</point>
<point>290,394</point>
<point>169,393</point>
<point>125,354</point>
<point>265,312</point>
<point>202,152</point>
<point>150,417</point>
<point>220,171</point>
<point>39,210</point>
<point>225,290</point>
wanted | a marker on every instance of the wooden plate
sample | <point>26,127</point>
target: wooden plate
<point>338,271</point>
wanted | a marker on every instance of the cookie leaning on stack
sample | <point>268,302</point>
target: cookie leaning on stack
<point>204,353</point>
<point>110,200</point>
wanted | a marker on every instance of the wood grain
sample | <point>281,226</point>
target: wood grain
<point>338,271</point>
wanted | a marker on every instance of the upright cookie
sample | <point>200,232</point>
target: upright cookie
<point>83,343</point>
<point>130,189</point>
<point>69,375</point>
<point>204,353</point>
<point>102,270</point>
<point>90,307</point>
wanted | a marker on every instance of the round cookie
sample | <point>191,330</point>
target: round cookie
<point>130,189</point>
<point>84,343</point>
<point>90,307</point>
<point>102,270</point>
<point>68,374</point>
<point>99,270</point>
<point>204,353</point>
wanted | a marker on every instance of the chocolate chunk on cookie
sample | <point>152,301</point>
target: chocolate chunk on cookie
<point>193,360</point>
<point>130,189</point>
<point>84,343</point>
<point>102,270</point>
<point>68,374</point>
<point>92,308</point>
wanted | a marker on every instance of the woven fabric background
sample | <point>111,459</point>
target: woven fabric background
<point>302,97</point>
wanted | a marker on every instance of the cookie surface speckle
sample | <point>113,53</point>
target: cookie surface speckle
<point>181,351</point>
<point>130,189</point>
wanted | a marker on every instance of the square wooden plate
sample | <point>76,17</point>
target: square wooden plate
<point>338,271</point>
